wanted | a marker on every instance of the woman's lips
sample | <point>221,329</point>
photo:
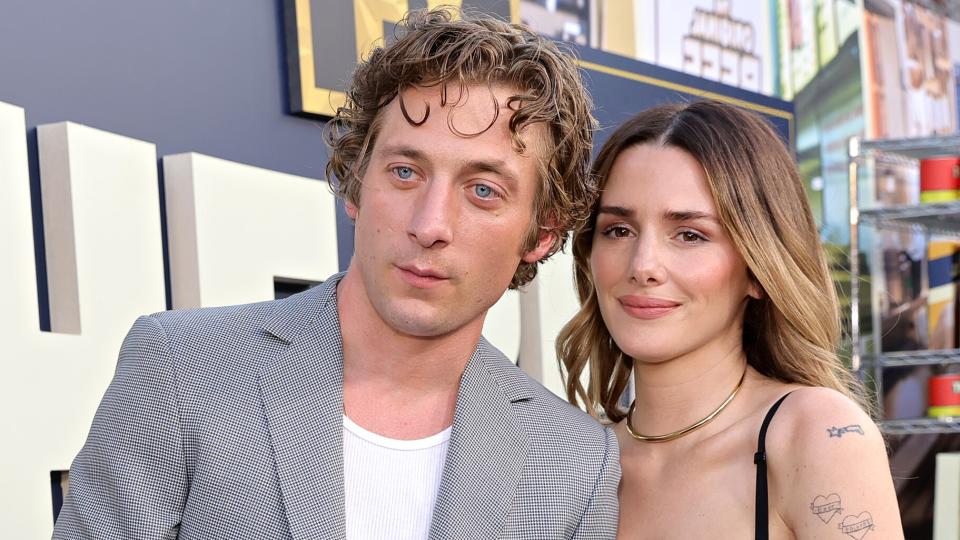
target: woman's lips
<point>643,307</point>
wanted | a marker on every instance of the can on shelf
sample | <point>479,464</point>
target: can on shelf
<point>943,395</point>
<point>940,182</point>
<point>940,179</point>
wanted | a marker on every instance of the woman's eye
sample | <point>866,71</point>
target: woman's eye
<point>403,173</point>
<point>690,237</point>
<point>617,231</point>
<point>482,191</point>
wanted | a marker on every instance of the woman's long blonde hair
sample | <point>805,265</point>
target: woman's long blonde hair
<point>792,333</point>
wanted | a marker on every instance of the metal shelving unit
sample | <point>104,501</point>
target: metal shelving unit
<point>920,425</point>
<point>940,219</point>
<point>916,148</point>
<point>913,358</point>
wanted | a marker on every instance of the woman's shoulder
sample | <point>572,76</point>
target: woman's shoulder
<point>814,423</point>
<point>824,446</point>
<point>811,414</point>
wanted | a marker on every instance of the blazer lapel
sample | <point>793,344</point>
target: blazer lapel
<point>486,455</point>
<point>302,393</point>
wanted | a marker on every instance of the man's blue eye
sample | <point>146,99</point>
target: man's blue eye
<point>482,191</point>
<point>403,172</point>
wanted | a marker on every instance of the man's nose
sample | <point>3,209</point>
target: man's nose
<point>434,215</point>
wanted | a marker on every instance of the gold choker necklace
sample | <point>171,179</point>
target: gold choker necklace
<point>677,434</point>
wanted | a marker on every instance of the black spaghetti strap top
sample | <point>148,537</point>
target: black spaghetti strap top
<point>761,522</point>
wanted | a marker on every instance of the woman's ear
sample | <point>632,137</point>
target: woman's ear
<point>754,290</point>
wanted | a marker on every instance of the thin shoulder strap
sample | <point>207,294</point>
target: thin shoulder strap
<point>761,521</point>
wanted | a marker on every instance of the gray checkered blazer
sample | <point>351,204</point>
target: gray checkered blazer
<point>227,423</point>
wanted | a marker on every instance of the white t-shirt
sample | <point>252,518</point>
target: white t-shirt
<point>390,485</point>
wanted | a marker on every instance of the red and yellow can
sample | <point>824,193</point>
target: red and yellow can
<point>940,179</point>
<point>943,395</point>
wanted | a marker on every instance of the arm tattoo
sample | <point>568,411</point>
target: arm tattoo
<point>827,507</point>
<point>856,526</point>
<point>839,431</point>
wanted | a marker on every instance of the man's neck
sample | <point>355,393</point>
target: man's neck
<point>398,385</point>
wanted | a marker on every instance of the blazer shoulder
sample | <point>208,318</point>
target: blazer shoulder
<point>284,318</point>
<point>546,415</point>
<point>554,416</point>
<point>571,455</point>
<point>186,322</point>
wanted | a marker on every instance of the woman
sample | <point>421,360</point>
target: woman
<point>701,275</point>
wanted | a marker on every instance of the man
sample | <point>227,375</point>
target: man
<point>370,406</point>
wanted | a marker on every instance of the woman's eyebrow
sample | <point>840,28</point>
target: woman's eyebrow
<point>688,215</point>
<point>619,211</point>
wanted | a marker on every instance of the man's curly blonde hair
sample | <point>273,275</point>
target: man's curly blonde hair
<point>442,47</point>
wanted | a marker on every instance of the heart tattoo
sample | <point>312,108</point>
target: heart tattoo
<point>857,526</point>
<point>826,507</point>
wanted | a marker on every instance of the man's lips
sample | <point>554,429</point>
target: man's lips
<point>645,307</point>
<point>421,277</point>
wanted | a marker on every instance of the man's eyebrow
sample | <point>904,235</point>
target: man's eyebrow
<point>498,167</point>
<point>402,151</point>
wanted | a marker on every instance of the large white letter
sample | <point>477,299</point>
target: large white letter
<point>233,228</point>
<point>102,220</point>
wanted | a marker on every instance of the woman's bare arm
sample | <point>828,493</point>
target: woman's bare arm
<point>829,473</point>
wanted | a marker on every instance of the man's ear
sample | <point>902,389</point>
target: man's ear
<point>351,210</point>
<point>545,240</point>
